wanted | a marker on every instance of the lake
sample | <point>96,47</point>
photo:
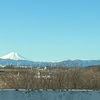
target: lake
<point>21,94</point>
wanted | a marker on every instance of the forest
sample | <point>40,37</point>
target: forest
<point>12,77</point>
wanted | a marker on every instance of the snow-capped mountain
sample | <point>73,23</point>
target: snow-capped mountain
<point>13,56</point>
<point>16,59</point>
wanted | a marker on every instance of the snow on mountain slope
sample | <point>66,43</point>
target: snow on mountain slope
<point>13,56</point>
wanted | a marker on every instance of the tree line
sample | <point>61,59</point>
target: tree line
<point>52,78</point>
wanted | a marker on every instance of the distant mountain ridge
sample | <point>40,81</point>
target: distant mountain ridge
<point>14,58</point>
<point>79,63</point>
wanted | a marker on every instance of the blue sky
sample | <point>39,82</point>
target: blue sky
<point>50,30</point>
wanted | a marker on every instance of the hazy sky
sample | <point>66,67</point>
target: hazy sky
<point>50,30</point>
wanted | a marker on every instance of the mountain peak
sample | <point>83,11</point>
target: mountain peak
<point>13,56</point>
